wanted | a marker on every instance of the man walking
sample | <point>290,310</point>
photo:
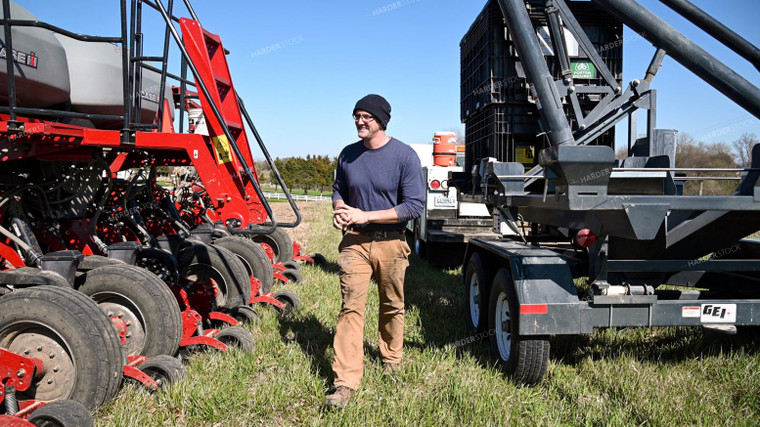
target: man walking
<point>378,188</point>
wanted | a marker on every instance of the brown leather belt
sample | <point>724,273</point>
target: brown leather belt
<point>378,235</point>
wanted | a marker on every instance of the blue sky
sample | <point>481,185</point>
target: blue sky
<point>301,65</point>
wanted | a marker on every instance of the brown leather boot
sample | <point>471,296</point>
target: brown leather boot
<point>391,368</point>
<point>339,399</point>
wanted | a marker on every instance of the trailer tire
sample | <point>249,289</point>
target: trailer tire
<point>62,413</point>
<point>89,356</point>
<point>280,242</point>
<point>477,287</point>
<point>524,359</point>
<point>147,305</point>
<point>200,262</point>
<point>253,257</point>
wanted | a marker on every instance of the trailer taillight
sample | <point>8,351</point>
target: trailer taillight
<point>435,184</point>
<point>585,238</point>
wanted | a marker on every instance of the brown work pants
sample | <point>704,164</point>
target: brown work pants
<point>361,256</point>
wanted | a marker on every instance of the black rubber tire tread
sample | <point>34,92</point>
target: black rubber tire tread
<point>529,356</point>
<point>481,267</point>
<point>98,354</point>
<point>232,270</point>
<point>293,275</point>
<point>292,265</point>
<point>164,369</point>
<point>62,413</point>
<point>281,244</point>
<point>289,298</point>
<point>235,336</point>
<point>254,256</point>
<point>161,316</point>
<point>244,314</point>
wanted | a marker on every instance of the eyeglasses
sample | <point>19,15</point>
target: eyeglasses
<point>366,117</point>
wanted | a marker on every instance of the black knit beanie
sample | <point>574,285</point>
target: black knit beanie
<point>377,106</point>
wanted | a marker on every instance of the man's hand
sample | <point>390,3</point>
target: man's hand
<point>338,222</point>
<point>346,215</point>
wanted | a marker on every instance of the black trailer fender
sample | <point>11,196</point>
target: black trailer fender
<point>543,283</point>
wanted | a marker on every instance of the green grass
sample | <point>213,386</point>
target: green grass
<point>659,376</point>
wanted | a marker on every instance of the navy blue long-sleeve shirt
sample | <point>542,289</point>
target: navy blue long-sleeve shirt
<point>382,178</point>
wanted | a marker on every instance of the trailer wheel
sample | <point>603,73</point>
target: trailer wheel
<point>253,257</point>
<point>235,336</point>
<point>81,353</point>
<point>477,287</point>
<point>164,370</point>
<point>146,306</point>
<point>523,358</point>
<point>291,301</point>
<point>293,275</point>
<point>215,274</point>
<point>62,413</point>
<point>280,242</point>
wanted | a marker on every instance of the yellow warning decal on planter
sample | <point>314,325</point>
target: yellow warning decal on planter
<point>222,149</point>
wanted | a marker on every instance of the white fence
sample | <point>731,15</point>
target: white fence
<point>298,197</point>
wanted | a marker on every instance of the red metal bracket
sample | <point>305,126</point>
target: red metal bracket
<point>17,370</point>
<point>140,376</point>
<point>203,340</point>
<point>216,315</point>
<point>267,299</point>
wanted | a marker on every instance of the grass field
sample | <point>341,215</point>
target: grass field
<point>661,376</point>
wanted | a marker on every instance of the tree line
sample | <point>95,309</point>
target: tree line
<point>691,153</point>
<point>310,173</point>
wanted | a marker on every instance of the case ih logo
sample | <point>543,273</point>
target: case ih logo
<point>718,313</point>
<point>28,59</point>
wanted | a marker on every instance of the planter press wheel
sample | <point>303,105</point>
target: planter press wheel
<point>244,314</point>
<point>213,276</point>
<point>254,258</point>
<point>237,337</point>
<point>78,345</point>
<point>279,242</point>
<point>477,284</point>
<point>293,275</point>
<point>164,370</point>
<point>291,301</point>
<point>140,305</point>
<point>523,358</point>
<point>62,413</point>
<point>292,265</point>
